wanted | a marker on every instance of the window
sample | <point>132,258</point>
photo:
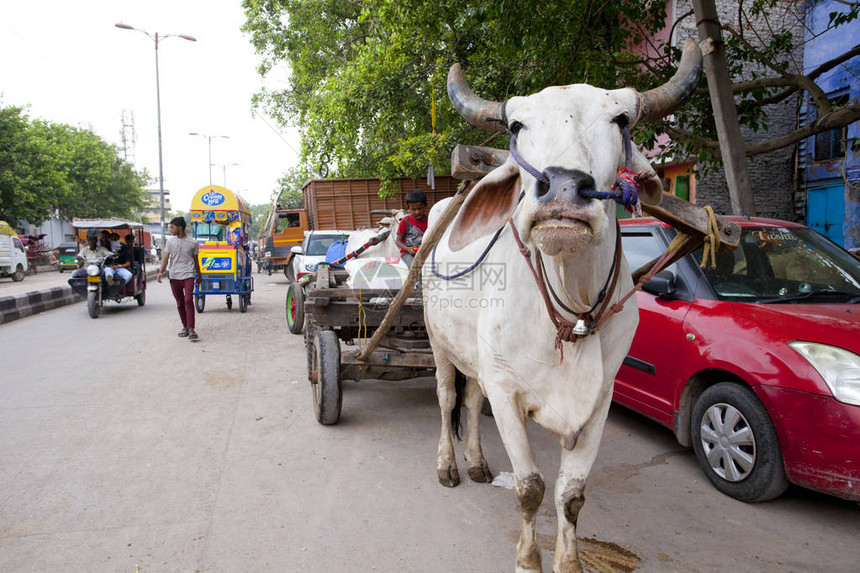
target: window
<point>287,220</point>
<point>829,144</point>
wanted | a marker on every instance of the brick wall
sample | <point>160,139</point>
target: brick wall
<point>772,175</point>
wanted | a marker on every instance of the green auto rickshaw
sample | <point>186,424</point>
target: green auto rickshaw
<point>66,255</point>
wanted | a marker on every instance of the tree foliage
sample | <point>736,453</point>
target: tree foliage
<point>364,74</point>
<point>48,168</point>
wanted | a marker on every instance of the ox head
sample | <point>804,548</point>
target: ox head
<point>572,137</point>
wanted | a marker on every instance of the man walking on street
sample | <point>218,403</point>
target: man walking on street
<point>181,253</point>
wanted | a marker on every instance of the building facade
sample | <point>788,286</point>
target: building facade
<point>828,197</point>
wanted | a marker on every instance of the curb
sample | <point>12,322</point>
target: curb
<point>36,302</point>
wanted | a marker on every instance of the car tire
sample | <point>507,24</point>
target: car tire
<point>200,302</point>
<point>18,275</point>
<point>290,273</point>
<point>736,444</point>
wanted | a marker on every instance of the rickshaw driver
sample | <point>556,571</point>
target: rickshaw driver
<point>92,253</point>
<point>121,266</point>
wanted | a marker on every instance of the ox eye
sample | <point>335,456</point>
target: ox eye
<point>515,127</point>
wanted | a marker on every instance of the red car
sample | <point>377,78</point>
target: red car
<point>754,363</point>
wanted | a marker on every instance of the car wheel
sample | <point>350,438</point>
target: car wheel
<point>18,275</point>
<point>200,302</point>
<point>290,273</point>
<point>736,444</point>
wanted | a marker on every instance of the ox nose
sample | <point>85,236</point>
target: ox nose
<point>563,184</point>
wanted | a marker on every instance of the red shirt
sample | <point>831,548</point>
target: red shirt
<point>412,231</point>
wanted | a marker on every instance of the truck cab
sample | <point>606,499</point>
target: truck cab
<point>284,229</point>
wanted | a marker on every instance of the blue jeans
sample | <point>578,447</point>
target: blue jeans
<point>122,273</point>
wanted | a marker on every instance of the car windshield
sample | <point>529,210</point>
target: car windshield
<point>319,244</point>
<point>785,265</point>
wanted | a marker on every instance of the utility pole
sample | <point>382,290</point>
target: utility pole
<point>723,102</point>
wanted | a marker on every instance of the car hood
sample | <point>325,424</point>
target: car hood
<point>834,324</point>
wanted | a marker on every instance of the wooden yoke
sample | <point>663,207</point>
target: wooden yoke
<point>473,162</point>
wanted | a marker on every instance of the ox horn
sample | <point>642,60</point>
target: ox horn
<point>661,101</point>
<point>478,112</point>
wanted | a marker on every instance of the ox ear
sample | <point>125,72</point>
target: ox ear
<point>650,186</point>
<point>489,206</point>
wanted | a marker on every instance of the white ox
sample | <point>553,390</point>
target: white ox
<point>498,333</point>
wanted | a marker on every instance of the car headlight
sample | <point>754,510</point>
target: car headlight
<point>93,270</point>
<point>839,368</point>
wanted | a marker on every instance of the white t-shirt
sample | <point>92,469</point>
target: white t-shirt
<point>182,254</point>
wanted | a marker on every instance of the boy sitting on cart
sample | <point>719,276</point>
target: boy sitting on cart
<point>412,227</point>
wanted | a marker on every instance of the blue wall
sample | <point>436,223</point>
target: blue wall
<point>842,80</point>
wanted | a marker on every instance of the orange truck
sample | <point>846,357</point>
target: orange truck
<point>283,230</point>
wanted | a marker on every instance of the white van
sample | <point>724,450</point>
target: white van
<point>13,257</point>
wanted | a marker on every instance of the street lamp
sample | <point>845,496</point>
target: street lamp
<point>155,37</point>
<point>210,138</point>
<point>224,166</point>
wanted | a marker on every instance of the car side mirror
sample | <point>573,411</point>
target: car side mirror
<point>661,284</point>
<point>296,250</point>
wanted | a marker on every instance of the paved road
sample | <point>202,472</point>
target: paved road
<point>123,445</point>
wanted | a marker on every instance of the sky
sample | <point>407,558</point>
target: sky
<point>69,63</point>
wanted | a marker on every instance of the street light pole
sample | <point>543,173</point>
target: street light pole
<point>224,167</point>
<point>155,38</point>
<point>210,138</point>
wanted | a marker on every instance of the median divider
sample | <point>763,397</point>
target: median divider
<point>36,302</point>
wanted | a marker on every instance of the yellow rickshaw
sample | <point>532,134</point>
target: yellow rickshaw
<point>220,221</point>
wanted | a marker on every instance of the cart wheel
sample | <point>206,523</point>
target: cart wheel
<point>328,394</point>
<point>229,302</point>
<point>200,302</point>
<point>141,298</point>
<point>295,308</point>
<point>243,302</point>
<point>94,303</point>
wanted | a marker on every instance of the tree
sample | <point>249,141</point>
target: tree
<point>258,218</point>
<point>364,74</point>
<point>288,193</point>
<point>48,168</point>
<point>30,180</point>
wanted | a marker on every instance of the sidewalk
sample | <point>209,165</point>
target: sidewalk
<point>40,292</point>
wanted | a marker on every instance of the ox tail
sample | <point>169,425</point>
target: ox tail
<point>460,391</point>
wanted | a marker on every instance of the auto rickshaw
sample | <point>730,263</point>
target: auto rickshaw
<point>94,286</point>
<point>67,257</point>
<point>220,221</point>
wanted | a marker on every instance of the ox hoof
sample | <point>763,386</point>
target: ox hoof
<point>481,473</point>
<point>449,477</point>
